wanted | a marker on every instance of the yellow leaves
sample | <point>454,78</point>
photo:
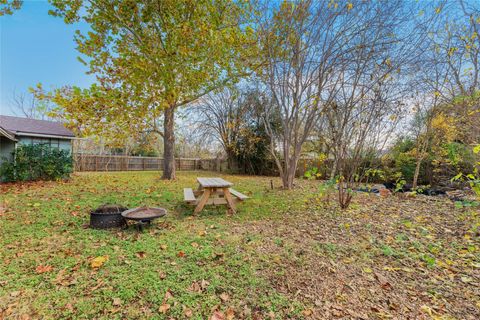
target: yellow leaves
<point>333,4</point>
<point>98,262</point>
<point>452,51</point>
<point>444,125</point>
<point>388,62</point>
<point>438,10</point>
<point>476,149</point>
<point>367,270</point>
<point>349,6</point>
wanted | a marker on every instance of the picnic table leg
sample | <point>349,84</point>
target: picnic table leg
<point>230,203</point>
<point>203,200</point>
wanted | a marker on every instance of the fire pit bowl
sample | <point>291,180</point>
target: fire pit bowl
<point>144,215</point>
<point>107,216</point>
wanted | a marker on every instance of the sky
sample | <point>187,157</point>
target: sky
<point>37,48</point>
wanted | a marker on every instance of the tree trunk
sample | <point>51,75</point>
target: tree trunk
<point>334,168</point>
<point>416,174</point>
<point>289,173</point>
<point>169,144</point>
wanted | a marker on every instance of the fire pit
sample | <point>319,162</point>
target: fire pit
<point>144,215</point>
<point>107,216</point>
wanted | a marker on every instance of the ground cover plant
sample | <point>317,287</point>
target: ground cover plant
<point>286,254</point>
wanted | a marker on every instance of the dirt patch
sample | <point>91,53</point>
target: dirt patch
<point>384,258</point>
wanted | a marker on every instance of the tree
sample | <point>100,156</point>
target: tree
<point>160,55</point>
<point>29,106</point>
<point>232,117</point>
<point>221,115</point>
<point>451,68</point>
<point>300,49</point>
<point>328,63</point>
<point>7,7</point>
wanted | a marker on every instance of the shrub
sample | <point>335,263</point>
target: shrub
<point>37,162</point>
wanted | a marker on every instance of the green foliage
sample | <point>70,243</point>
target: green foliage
<point>403,158</point>
<point>150,56</point>
<point>474,177</point>
<point>312,173</point>
<point>7,7</point>
<point>37,162</point>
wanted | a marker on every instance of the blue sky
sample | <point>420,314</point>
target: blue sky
<point>36,47</point>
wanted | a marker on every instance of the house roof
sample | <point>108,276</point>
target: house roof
<point>7,134</point>
<point>33,127</point>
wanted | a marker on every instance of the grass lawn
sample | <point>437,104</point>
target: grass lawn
<point>285,254</point>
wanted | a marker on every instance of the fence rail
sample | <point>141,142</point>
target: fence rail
<point>89,162</point>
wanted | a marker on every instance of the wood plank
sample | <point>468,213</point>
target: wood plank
<point>230,202</point>
<point>203,201</point>
<point>188,195</point>
<point>237,194</point>
<point>213,182</point>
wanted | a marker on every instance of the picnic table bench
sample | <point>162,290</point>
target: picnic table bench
<point>214,191</point>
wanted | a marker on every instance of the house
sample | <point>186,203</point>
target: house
<point>15,130</point>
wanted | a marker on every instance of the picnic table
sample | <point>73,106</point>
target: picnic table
<point>215,191</point>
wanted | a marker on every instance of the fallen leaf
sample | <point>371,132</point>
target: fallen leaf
<point>195,287</point>
<point>163,246</point>
<point>141,254</point>
<point>383,281</point>
<point>307,312</point>
<point>194,244</point>
<point>117,301</point>
<point>204,284</point>
<point>14,293</point>
<point>43,268</point>
<point>217,315</point>
<point>188,313</point>
<point>181,254</point>
<point>224,297</point>
<point>367,270</point>
<point>230,314</point>
<point>164,308</point>
<point>168,295</point>
<point>98,261</point>
<point>466,279</point>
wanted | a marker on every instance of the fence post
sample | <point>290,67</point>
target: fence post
<point>96,163</point>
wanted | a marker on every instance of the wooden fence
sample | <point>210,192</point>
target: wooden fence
<point>89,162</point>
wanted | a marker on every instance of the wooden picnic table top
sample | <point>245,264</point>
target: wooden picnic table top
<point>214,183</point>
